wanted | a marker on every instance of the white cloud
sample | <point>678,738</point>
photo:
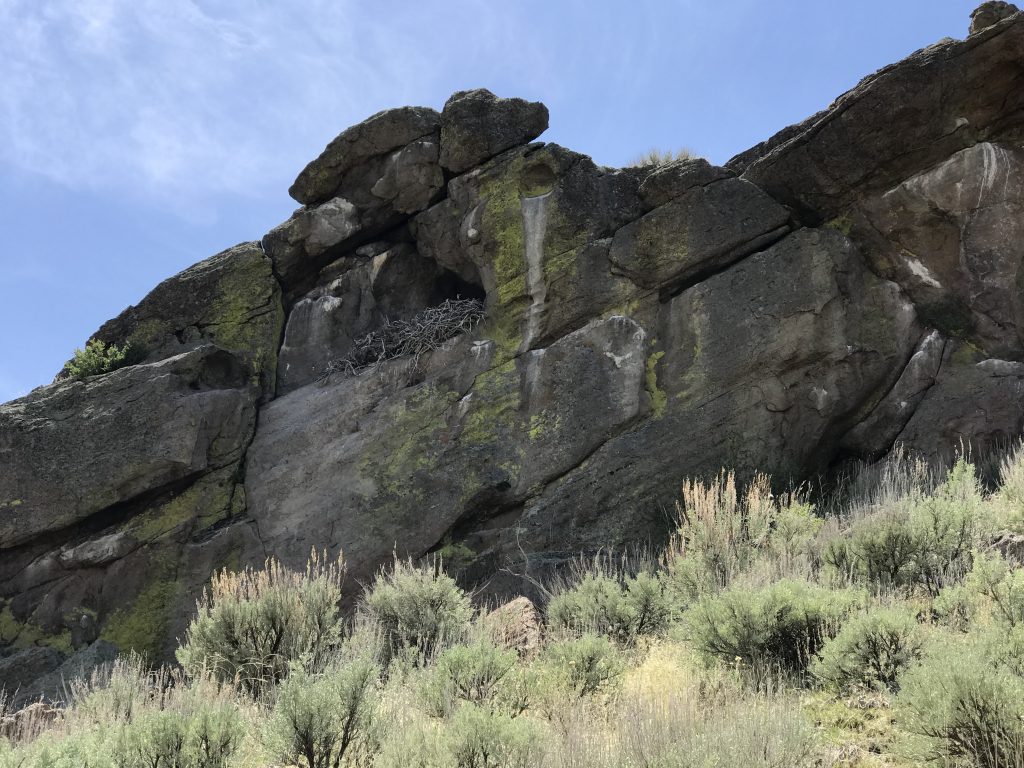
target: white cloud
<point>191,98</point>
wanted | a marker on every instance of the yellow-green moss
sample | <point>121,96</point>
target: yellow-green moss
<point>10,627</point>
<point>841,223</point>
<point>407,447</point>
<point>147,334</point>
<point>494,408</point>
<point>143,626</point>
<point>19,634</point>
<point>455,555</point>
<point>659,400</point>
<point>207,502</point>
<point>543,423</point>
<point>247,315</point>
<point>966,354</point>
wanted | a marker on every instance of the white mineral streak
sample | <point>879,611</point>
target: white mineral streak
<point>535,222</point>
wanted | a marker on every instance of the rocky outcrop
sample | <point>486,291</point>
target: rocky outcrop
<point>852,283</point>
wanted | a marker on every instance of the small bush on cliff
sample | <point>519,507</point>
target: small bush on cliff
<point>97,358</point>
<point>251,626</point>
<point>418,609</point>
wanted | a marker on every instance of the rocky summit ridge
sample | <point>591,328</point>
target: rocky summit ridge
<point>854,282</point>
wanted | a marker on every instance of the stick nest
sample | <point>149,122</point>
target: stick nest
<point>422,333</point>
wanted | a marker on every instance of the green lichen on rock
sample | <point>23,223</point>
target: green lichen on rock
<point>207,502</point>
<point>543,423</point>
<point>25,634</point>
<point>659,400</point>
<point>406,449</point>
<point>842,223</point>
<point>143,625</point>
<point>247,315</point>
<point>494,410</point>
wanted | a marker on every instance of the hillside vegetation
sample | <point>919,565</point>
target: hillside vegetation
<point>886,630</point>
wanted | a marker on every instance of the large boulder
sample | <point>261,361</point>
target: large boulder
<point>976,404</point>
<point>376,136</point>
<point>477,125</point>
<point>953,237</point>
<point>850,284</point>
<point>367,182</point>
<point>231,299</point>
<point>897,122</point>
<point>991,13</point>
<point>75,448</point>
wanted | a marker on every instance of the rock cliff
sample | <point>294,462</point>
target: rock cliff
<point>853,282</point>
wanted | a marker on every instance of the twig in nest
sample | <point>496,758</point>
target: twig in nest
<point>424,332</point>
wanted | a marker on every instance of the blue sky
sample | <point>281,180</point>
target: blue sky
<point>140,136</point>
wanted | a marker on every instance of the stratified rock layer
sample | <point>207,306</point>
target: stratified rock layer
<point>854,282</point>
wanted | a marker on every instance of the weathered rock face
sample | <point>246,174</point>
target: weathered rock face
<point>842,287</point>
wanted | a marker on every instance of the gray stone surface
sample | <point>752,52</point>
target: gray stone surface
<point>860,285</point>
<point>378,135</point>
<point>672,180</point>
<point>705,229</point>
<point>991,13</point>
<point>75,448</point>
<point>976,404</point>
<point>878,430</point>
<point>898,122</point>
<point>477,125</point>
<point>953,237</point>
<point>231,299</point>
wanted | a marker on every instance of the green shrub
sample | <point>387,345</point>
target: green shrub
<point>417,608</point>
<point>125,716</point>
<point>251,626</point>
<point>416,745</point>
<point>946,526</point>
<point>622,609</point>
<point>964,707</point>
<point>583,666</point>
<point>755,733</point>
<point>879,549</point>
<point>319,719</point>
<point>994,578</point>
<point>199,735</point>
<point>782,625</point>
<point>1011,486</point>
<point>956,607</point>
<point>722,530</point>
<point>871,650</point>
<point>475,673</point>
<point>98,357</point>
<point>917,538</point>
<point>479,738</point>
